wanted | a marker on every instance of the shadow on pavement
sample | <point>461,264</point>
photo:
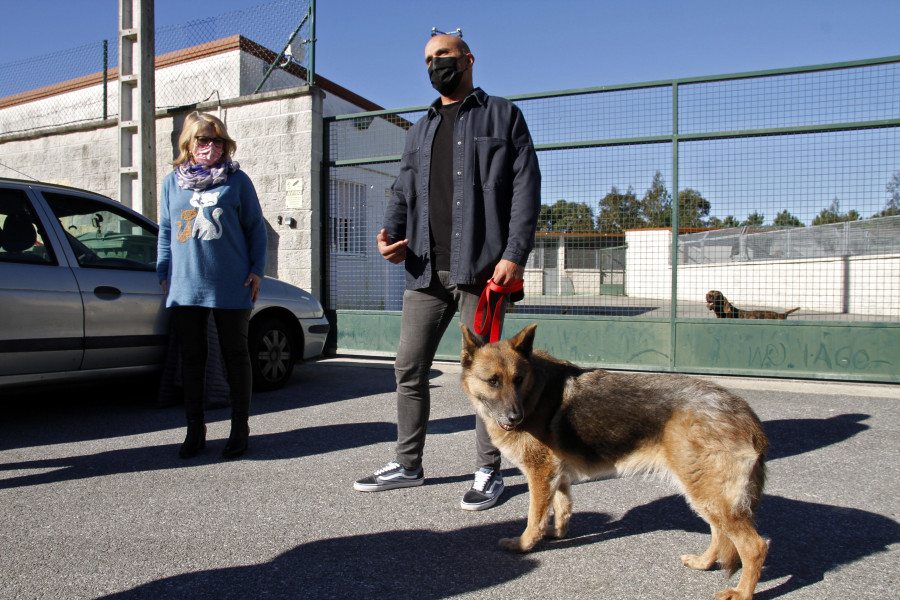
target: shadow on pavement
<point>790,437</point>
<point>296,443</point>
<point>97,416</point>
<point>393,564</point>
<point>121,407</point>
<point>806,540</point>
<point>276,446</point>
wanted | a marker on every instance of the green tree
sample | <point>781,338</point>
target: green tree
<point>754,219</point>
<point>656,204</point>
<point>786,219</point>
<point>892,208</point>
<point>728,223</point>
<point>693,208</point>
<point>566,217</point>
<point>833,214</point>
<point>619,212</point>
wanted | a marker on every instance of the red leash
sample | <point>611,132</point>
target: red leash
<point>483,319</point>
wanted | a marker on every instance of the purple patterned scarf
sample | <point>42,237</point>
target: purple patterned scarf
<point>200,177</point>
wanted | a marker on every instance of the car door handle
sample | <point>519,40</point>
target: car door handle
<point>107,292</point>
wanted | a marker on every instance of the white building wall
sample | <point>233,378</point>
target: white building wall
<point>647,270</point>
<point>873,281</point>
<point>71,107</point>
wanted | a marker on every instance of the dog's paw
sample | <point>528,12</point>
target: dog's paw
<point>557,533</point>
<point>697,562</point>
<point>514,545</point>
<point>732,595</point>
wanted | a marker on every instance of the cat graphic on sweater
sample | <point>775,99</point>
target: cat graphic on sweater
<point>205,229</point>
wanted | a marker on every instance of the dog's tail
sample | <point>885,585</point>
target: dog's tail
<point>728,554</point>
<point>757,479</point>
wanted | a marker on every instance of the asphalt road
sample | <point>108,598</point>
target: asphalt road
<point>97,504</point>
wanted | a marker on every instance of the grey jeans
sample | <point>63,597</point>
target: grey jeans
<point>425,317</point>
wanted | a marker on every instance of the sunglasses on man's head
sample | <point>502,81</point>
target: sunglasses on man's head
<point>457,33</point>
<point>202,140</point>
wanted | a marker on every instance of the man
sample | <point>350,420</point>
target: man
<point>463,210</point>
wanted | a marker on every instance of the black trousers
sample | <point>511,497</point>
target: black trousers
<point>191,326</point>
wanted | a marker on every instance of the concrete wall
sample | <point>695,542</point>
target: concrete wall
<point>80,157</point>
<point>279,137</point>
<point>279,147</point>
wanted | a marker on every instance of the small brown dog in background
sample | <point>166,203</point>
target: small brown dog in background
<point>719,304</point>
<point>560,423</point>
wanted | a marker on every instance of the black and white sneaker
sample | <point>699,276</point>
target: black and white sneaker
<point>485,492</point>
<point>392,475</point>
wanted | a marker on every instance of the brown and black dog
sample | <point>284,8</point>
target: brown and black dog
<point>719,304</point>
<point>560,423</point>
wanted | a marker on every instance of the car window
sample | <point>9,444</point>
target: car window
<point>103,236</point>
<point>22,239</point>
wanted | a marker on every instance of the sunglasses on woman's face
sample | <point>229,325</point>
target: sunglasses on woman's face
<point>202,140</point>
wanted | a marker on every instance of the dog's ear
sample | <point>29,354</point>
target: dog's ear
<point>470,343</point>
<point>726,305</point>
<point>523,342</point>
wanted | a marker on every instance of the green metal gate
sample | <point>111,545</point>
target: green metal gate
<point>779,189</point>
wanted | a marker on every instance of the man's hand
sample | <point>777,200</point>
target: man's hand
<point>396,252</point>
<point>506,272</point>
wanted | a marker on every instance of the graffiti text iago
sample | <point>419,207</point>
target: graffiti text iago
<point>844,358</point>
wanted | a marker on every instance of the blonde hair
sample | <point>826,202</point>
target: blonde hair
<point>192,123</point>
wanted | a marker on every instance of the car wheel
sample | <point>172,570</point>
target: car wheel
<point>273,352</point>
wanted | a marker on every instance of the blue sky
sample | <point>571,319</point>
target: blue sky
<point>521,46</point>
<point>375,49</point>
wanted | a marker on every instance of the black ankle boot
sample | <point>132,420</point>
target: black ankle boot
<point>195,440</point>
<point>239,439</point>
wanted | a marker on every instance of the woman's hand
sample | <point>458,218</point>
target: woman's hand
<point>253,281</point>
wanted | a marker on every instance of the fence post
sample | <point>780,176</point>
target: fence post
<point>674,261</point>
<point>311,67</point>
<point>105,78</point>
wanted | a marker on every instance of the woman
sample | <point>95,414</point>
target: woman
<point>211,257</point>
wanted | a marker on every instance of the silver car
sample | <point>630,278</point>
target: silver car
<point>79,296</point>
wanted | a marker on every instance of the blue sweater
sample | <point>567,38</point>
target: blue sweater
<point>210,242</point>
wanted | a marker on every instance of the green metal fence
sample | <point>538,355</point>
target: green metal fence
<point>778,189</point>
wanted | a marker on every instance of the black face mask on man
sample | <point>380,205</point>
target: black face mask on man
<point>444,75</point>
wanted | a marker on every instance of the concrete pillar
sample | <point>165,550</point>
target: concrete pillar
<point>137,107</point>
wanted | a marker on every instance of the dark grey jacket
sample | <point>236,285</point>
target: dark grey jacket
<point>497,191</point>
